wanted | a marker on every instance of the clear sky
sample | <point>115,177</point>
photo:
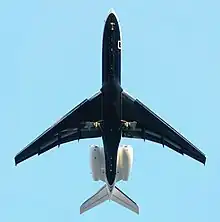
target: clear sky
<point>50,60</point>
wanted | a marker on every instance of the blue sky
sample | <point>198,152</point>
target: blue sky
<point>50,60</point>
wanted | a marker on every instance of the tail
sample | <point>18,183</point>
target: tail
<point>102,195</point>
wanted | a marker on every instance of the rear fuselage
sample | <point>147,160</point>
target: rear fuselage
<point>111,94</point>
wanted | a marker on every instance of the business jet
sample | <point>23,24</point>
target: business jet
<point>111,114</point>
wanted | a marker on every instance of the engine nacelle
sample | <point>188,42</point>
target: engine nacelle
<point>124,162</point>
<point>97,163</point>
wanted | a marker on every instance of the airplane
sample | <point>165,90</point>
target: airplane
<point>111,114</point>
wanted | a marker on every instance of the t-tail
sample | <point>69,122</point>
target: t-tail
<point>115,195</point>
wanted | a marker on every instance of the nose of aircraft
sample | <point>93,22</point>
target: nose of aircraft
<point>112,22</point>
<point>112,15</point>
<point>111,11</point>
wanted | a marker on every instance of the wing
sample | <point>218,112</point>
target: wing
<point>73,126</point>
<point>151,127</point>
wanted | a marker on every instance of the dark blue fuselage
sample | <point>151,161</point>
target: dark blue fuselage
<point>111,94</point>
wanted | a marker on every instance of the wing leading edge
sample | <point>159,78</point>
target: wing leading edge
<point>73,126</point>
<point>151,127</point>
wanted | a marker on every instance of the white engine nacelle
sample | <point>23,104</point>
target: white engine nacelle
<point>97,163</point>
<point>124,162</point>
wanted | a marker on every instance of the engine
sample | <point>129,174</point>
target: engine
<point>97,163</point>
<point>124,162</point>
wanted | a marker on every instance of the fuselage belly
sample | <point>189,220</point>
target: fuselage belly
<point>111,95</point>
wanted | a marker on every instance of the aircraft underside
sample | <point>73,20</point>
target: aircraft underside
<point>111,114</point>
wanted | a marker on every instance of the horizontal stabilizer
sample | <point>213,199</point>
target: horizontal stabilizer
<point>96,199</point>
<point>119,197</point>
